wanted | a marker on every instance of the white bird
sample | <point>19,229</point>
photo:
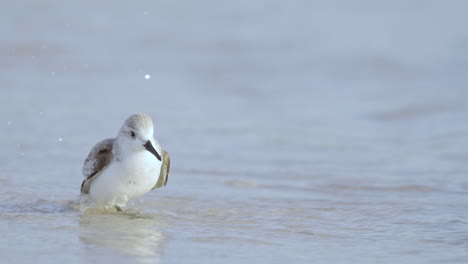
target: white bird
<point>126,167</point>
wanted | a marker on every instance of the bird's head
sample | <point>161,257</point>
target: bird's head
<point>136,134</point>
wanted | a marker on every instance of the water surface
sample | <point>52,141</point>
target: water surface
<point>301,131</point>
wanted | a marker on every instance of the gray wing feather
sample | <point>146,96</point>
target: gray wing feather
<point>99,158</point>
<point>164,172</point>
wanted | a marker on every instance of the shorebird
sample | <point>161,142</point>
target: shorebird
<point>126,167</point>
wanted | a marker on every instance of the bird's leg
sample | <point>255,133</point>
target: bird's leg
<point>118,208</point>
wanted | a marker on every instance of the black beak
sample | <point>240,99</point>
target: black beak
<point>149,147</point>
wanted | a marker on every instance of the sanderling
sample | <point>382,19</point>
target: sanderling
<point>126,167</point>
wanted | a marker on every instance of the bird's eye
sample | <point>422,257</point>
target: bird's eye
<point>132,134</point>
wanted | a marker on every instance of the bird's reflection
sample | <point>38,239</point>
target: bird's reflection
<point>129,233</point>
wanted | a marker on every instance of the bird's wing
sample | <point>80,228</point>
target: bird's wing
<point>164,172</point>
<point>99,158</point>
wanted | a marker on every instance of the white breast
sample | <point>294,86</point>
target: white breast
<point>126,179</point>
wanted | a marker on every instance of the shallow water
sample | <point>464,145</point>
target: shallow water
<point>302,132</point>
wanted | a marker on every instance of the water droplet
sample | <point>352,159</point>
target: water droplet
<point>9,123</point>
<point>146,13</point>
<point>147,76</point>
<point>60,139</point>
<point>52,73</point>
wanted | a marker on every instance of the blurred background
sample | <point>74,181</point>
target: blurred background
<point>303,131</point>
